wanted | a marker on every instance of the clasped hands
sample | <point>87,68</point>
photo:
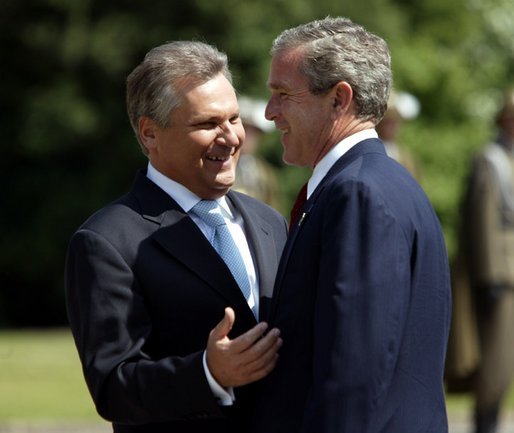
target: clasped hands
<point>245,359</point>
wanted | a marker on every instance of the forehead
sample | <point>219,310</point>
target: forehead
<point>213,96</point>
<point>285,70</point>
<point>215,87</point>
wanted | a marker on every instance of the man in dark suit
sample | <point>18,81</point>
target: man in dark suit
<point>167,339</point>
<point>362,296</point>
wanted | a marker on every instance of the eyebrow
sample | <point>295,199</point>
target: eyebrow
<point>213,118</point>
<point>275,86</point>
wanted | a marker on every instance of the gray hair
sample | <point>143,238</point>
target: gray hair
<point>336,49</point>
<point>154,86</point>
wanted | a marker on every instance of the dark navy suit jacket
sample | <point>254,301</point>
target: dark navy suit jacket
<point>362,299</point>
<point>144,288</point>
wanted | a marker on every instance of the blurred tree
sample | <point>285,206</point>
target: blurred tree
<point>68,147</point>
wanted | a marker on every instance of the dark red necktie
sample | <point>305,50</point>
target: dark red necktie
<point>297,206</point>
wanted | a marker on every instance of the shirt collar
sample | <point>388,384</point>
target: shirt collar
<point>178,192</point>
<point>326,163</point>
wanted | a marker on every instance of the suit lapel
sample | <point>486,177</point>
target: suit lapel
<point>261,243</point>
<point>366,146</point>
<point>176,232</point>
<point>288,248</point>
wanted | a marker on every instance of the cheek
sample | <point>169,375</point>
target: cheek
<point>303,126</point>
<point>240,132</point>
<point>303,118</point>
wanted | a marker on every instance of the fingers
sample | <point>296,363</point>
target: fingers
<point>247,358</point>
<point>231,367</point>
<point>246,340</point>
<point>224,326</point>
<point>264,359</point>
<point>260,348</point>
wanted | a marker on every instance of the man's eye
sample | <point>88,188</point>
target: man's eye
<point>207,125</point>
<point>234,119</point>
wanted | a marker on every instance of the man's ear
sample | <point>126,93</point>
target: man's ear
<point>148,132</point>
<point>342,96</point>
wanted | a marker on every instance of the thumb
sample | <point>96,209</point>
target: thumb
<point>225,325</point>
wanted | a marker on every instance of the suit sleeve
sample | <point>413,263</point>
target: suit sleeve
<point>360,311</point>
<point>111,326</point>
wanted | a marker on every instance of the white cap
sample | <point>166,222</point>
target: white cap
<point>405,104</point>
<point>252,113</point>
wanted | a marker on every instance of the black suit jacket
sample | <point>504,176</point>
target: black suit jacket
<point>144,288</point>
<point>362,299</point>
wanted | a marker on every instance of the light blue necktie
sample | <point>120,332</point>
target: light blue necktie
<point>222,241</point>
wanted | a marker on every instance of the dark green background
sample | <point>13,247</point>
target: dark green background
<point>68,149</point>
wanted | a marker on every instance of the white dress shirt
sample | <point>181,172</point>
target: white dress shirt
<point>186,200</point>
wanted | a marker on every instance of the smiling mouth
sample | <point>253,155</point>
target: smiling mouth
<point>218,158</point>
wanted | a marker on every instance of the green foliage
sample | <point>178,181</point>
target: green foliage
<point>68,148</point>
<point>445,153</point>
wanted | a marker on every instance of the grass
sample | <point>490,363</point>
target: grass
<point>41,381</point>
<point>463,403</point>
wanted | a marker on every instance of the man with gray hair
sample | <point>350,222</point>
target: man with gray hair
<point>362,294</point>
<point>164,285</point>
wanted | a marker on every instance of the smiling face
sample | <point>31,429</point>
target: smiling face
<point>305,119</point>
<point>200,147</point>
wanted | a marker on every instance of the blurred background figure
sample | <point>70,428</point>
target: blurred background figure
<point>481,349</point>
<point>401,106</point>
<point>255,176</point>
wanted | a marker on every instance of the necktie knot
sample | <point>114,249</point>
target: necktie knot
<point>210,212</point>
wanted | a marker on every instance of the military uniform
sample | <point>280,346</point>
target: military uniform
<point>482,340</point>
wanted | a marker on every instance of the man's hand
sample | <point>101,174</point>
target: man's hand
<point>245,359</point>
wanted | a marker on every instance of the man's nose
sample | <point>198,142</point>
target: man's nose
<point>272,106</point>
<point>229,135</point>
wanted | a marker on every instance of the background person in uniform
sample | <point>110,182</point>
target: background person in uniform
<point>255,176</point>
<point>362,296</point>
<point>401,107</point>
<point>167,339</point>
<point>481,346</point>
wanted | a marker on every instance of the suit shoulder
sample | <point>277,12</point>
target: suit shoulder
<point>121,210</point>
<point>257,206</point>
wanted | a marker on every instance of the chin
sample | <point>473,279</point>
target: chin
<point>288,160</point>
<point>225,180</point>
